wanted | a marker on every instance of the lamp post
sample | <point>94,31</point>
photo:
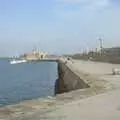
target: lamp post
<point>101,44</point>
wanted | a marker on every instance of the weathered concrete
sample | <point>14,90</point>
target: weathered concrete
<point>100,107</point>
<point>99,101</point>
<point>68,79</point>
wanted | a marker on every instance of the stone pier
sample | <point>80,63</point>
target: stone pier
<point>89,92</point>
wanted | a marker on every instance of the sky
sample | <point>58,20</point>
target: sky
<point>58,26</point>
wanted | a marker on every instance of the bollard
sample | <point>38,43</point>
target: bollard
<point>116,71</point>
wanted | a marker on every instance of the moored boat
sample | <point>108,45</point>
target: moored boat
<point>17,61</point>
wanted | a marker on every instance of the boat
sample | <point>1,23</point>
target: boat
<point>17,61</point>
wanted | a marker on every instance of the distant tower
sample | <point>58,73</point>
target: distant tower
<point>101,44</point>
<point>34,49</point>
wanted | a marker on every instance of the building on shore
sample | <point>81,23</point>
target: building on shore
<point>114,51</point>
<point>34,55</point>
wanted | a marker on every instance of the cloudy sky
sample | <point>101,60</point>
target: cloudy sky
<point>58,26</point>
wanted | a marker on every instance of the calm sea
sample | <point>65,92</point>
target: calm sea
<point>26,81</point>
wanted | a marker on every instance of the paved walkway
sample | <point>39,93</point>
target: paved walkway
<point>95,67</point>
<point>100,107</point>
<point>99,69</point>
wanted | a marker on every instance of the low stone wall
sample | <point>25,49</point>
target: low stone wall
<point>68,79</point>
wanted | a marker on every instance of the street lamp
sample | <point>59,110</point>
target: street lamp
<point>101,44</point>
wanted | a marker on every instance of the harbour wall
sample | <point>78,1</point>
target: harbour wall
<point>73,80</point>
<point>68,79</point>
